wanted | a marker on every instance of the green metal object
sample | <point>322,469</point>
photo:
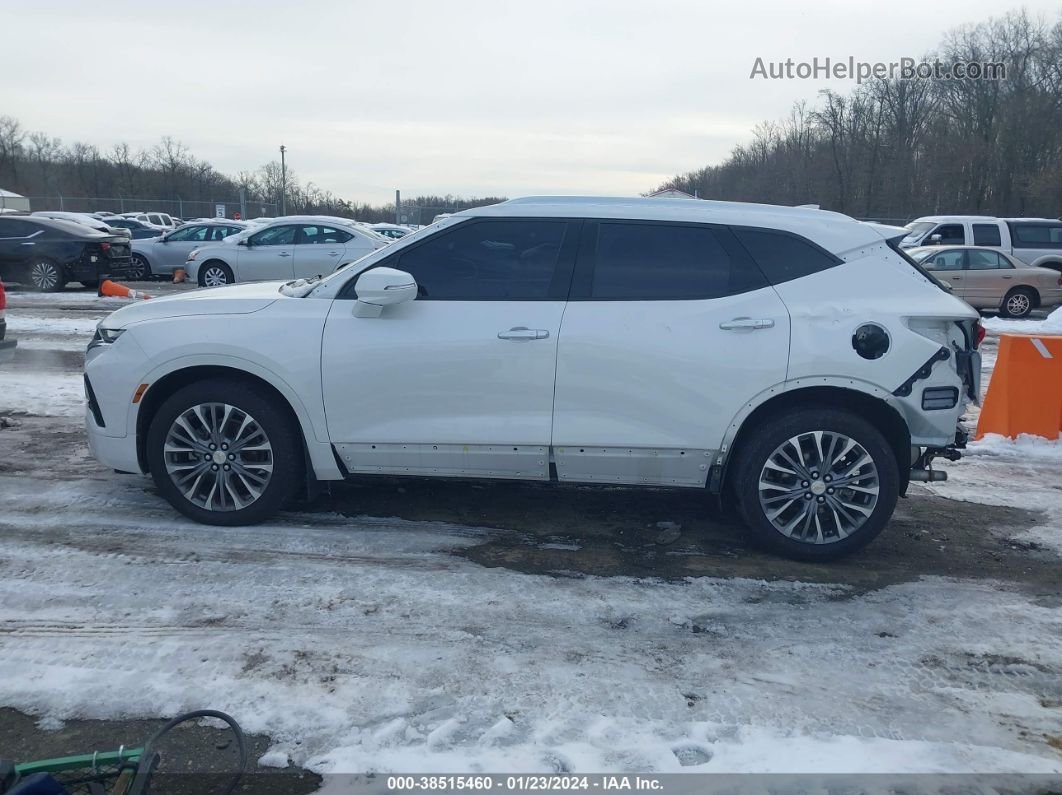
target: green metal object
<point>80,762</point>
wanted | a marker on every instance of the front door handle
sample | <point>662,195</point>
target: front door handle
<point>27,244</point>
<point>283,254</point>
<point>746,324</point>
<point>333,253</point>
<point>523,334</point>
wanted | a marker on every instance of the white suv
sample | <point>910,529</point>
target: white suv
<point>790,358</point>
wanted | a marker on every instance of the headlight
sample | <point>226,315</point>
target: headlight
<point>192,255</point>
<point>105,336</point>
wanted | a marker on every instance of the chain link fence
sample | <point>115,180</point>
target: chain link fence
<point>175,207</point>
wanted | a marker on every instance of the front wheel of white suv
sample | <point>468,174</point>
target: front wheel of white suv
<point>816,484</point>
<point>222,453</point>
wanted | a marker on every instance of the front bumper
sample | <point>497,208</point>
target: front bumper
<point>117,452</point>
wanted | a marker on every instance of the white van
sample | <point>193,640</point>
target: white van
<point>1035,241</point>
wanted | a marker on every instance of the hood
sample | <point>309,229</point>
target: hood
<point>237,299</point>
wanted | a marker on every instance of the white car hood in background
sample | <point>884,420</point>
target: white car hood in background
<point>237,299</point>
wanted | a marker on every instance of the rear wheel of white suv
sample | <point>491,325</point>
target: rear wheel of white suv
<point>816,484</point>
<point>224,454</point>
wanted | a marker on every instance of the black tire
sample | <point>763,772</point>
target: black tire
<point>45,275</point>
<point>215,268</point>
<point>1018,303</point>
<point>751,469</point>
<point>281,434</point>
<point>139,269</point>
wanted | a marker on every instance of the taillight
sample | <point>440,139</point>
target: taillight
<point>105,246</point>
<point>979,334</point>
<point>1060,281</point>
<point>3,298</point>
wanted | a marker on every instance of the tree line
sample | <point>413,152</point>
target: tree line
<point>35,164</point>
<point>898,149</point>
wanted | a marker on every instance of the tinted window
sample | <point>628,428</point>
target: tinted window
<point>313,235</point>
<point>12,227</point>
<point>950,235</point>
<point>275,236</point>
<point>503,260</point>
<point>196,233</point>
<point>985,260</point>
<point>782,256</point>
<point>1037,235</point>
<point>986,235</point>
<point>945,261</point>
<point>664,262</point>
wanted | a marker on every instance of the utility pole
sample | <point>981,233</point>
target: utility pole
<point>283,181</point>
<point>398,206</point>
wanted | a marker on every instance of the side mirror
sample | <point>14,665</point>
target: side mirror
<point>245,242</point>
<point>935,240</point>
<point>382,287</point>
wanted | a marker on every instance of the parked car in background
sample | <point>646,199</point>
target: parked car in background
<point>393,231</point>
<point>1034,241</point>
<point>158,220</point>
<point>790,357</point>
<point>7,345</point>
<point>46,253</point>
<point>85,219</point>
<point>162,255</point>
<point>286,248</point>
<point>989,279</point>
<point>137,229</point>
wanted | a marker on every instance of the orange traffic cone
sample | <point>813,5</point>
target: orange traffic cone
<point>1025,393</point>
<point>178,276</point>
<point>115,290</point>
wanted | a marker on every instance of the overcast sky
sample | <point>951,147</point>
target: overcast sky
<point>499,97</point>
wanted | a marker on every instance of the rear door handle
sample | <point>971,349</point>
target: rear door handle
<point>284,254</point>
<point>27,244</point>
<point>746,324</point>
<point>523,334</point>
<point>333,253</point>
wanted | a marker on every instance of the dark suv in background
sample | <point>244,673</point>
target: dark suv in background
<point>45,254</point>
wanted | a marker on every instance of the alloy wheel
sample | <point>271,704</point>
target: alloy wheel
<point>218,456</point>
<point>1018,305</point>
<point>818,487</point>
<point>44,275</point>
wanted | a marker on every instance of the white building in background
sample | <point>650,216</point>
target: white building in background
<point>13,202</point>
<point>671,193</point>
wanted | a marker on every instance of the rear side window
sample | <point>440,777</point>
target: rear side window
<point>1036,235</point>
<point>11,227</point>
<point>782,256</point>
<point>986,235</point>
<point>665,262</point>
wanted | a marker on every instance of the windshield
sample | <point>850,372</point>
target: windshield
<point>916,229</point>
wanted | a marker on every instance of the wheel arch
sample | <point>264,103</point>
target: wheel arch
<point>1037,298</point>
<point>319,457</point>
<point>215,260</point>
<point>872,406</point>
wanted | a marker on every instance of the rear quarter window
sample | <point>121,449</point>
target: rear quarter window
<point>783,256</point>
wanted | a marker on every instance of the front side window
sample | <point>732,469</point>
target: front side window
<point>316,235</point>
<point>950,235</point>
<point>945,261</point>
<point>196,233</point>
<point>664,262</point>
<point>782,256</point>
<point>986,235</point>
<point>985,260</point>
<point>275,236</point>
<point>493,260</point>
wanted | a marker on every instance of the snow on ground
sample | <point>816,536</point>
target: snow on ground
<point>363,644</point>
<point>367,644</point>
<point>1052,324</point>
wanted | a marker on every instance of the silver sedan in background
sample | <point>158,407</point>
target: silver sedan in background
<point>161,256</point>
<point>989,279</point>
